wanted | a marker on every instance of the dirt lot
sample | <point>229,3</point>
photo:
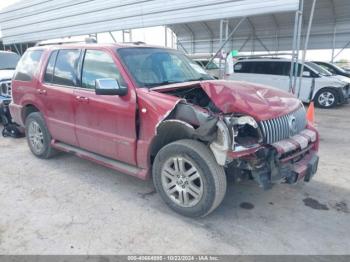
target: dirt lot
<point>71,206</point>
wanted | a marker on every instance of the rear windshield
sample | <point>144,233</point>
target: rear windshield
<point>8,60</point>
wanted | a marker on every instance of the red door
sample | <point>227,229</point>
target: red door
<point>105,125</point>
<point>58,96</point>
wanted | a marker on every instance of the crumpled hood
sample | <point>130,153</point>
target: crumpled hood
<point>258,101</point>
<point>6,74</point>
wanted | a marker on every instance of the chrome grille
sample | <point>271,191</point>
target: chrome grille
<point>283,127</point>
<point>5,88</point>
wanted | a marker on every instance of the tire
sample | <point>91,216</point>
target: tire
<point>326,98</point>
<point>38,136</point>
<point>203,187</point>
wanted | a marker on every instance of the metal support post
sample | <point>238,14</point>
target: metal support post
<point>306,44</point>
<point>295,47</point>
<point>113,38</point>
<point>334,41</point>
<point>224,43</point>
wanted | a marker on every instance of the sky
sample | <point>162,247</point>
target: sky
<point>156,36</point>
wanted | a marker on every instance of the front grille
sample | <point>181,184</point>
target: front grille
<point>5,88</point>
<point>283,127</point>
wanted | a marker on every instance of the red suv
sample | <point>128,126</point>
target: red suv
<point>152,112</point>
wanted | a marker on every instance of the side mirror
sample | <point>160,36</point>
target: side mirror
<point>306,74</point>
<point>109,87</point>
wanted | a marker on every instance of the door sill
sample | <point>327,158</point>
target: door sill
<point>104,161</point>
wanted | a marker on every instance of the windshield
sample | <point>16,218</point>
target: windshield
<point>318,69</point>
<point>152,67</point>
<point>8,60</point>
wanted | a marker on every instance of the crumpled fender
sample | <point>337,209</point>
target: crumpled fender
<point>153,108</point>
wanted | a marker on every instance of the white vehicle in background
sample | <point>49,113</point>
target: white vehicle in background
<point>8,62</point>
<point>317,85</point>
<point>211,67</point>
<point>326,72</point>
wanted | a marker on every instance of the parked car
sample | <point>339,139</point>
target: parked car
<point>211,67</point>
<point>321,70</point>
<point>325,90</point>
<point>151,112</point>
<point>8,62</point>
<point>334,69</point>
<point>346,69</point>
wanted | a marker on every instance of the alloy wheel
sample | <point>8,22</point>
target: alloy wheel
<point>326,99</point>
<point>182,182</point>
<point>36,137</point>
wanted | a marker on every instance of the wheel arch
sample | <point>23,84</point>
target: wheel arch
<point>28,109</point>
<point>169,131</point>
<point>336,91</point>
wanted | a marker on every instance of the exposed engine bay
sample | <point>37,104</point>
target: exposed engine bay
<point>195,95</point>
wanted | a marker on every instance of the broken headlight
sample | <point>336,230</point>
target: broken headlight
<point>244,131</point>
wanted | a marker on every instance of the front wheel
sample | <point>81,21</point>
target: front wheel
<point>326,98</point>
<point>188,178</point>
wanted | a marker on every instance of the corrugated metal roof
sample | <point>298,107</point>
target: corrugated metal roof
<point>45,19</point>
<point>273,31</point>
<point>196,23</point>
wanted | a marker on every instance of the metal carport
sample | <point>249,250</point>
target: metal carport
<point>200,25</point>
<point>46,19</point>
<point>272,31</point>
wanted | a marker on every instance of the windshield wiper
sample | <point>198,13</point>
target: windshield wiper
<point>161,83</point>
<point>198,79</point>
<point>7,68</point>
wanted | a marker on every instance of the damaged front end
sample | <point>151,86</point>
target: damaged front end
<point>239,142</point>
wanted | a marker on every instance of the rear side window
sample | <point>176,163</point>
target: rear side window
<point>97,65</point>
<point>263,67</point>
<point>28,65</point>
<point>65,71</point>
<point>272,68</point>
<point>48,78</point>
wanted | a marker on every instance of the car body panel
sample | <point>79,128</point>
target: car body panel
<point>153,108</point>
<point>6,74</point>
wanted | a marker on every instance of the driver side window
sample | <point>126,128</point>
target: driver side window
<point>99,64</point>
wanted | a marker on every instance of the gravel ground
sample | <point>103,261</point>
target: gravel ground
<point>71,206</point>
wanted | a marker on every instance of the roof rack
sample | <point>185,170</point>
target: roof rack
<point>87,40</point>
<point>135,43</point>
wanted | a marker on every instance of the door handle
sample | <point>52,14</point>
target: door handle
<point>82,99</point>
<point>42,91</point>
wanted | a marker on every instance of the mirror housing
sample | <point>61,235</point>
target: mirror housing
<point>109,87</point>
<point>306,74</point>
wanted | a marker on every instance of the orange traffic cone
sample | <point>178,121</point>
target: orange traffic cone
<point>310,115</point>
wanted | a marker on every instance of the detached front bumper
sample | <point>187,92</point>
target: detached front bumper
<point>286,161</point>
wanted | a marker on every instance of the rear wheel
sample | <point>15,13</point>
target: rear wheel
<point>38,136</point>
<point>326,98</point>
<point>189,180</point>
